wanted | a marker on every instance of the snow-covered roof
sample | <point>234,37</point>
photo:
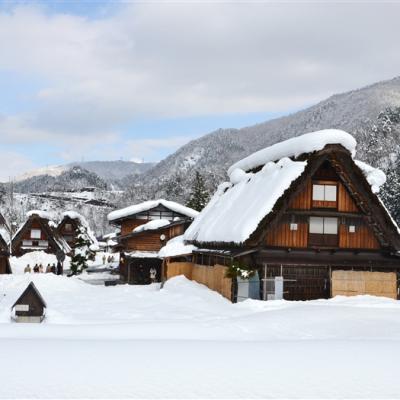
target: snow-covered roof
<point>176,247</point>
<point>83,222</point>
<point>142,254</point>
<point>5,234</point>
<point>152,225</point>
<point>237,208</point>
<point>40,214</point>
<point>375,177</point>
<point>148,205</point>
<point>307,143</point>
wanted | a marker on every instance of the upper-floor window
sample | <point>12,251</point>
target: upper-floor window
<point>324,192</point>
<point>35,233</point>
<point>323,231</point>
<point>324,225</point>
<point>68,227</point>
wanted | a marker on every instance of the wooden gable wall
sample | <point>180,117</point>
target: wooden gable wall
<point>302,206</point>
<point>150,240</point>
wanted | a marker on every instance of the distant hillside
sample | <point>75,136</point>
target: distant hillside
<point>103,174</point>
<point>356,112</point>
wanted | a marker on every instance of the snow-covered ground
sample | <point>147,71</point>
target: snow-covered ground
<point>32,258</point>
<point>185,341</point>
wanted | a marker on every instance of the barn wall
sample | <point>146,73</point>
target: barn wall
<point>281,235</point>
<point>352,283</point>
<point>362,238</point>
<point>211,276</point>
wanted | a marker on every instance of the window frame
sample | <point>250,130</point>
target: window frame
<point>34,236</point>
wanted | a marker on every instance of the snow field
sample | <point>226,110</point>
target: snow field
<point>185,341</point>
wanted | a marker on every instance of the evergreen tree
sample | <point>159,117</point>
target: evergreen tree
<point>391,192</point>
<point>82,252</point>
<point>199,195</point>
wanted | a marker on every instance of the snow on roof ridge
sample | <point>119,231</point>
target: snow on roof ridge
<point>40,213</point>
<point>152,225</point>
<point>147,205</point>
<point>307,143</point>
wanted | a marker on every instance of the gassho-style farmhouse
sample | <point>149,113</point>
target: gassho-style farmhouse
<point>299,220</point>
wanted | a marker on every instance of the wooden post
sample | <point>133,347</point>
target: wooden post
<point>265,283</point>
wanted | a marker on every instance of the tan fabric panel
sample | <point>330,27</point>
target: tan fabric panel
<point>352,283</point>
<point>212,277</point>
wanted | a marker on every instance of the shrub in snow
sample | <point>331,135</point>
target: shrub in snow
<point>82,253</point>
<point>240,270</point>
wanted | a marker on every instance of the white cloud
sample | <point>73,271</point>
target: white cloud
<point>155,59</point>
<point>149,149</point>
<point>13,164</point>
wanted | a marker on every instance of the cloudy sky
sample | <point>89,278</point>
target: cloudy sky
<point>101,80</point>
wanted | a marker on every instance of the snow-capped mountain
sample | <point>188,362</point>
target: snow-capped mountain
<point>77,175</point>
<point>363,112</point>
<point>356,112</point>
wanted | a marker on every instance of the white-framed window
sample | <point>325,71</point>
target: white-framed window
<point>293,226</point>
<point>324,192</point>
<point>27,243</point>
<point>352,228</point>
<point>324,225</point>
<point>36,233</point>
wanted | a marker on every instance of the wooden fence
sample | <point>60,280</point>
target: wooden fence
<point>351,283</point>
<point>213,277</point>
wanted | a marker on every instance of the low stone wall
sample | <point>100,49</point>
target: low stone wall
<point>352,283</point>
<point>212,277</point>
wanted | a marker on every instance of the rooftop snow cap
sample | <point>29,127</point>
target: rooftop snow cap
<point>148,205</point>
<point>238,206</point>
<point>296,146</point>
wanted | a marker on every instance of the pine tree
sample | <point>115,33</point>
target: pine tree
<point>199,195</point>
<point>82,252</point>
<point>391,192</point>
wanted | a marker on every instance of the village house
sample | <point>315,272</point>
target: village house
<point>39,233</point>
<point>300,220</point>
<point>5,267</point>
<point>70,224</point>
<point>144,229</point>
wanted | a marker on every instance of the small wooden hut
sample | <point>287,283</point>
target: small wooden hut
<point>30,306</point>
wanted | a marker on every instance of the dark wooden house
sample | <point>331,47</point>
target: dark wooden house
<point>302,210</point>
<point>30,306</point>
<point>144,229</point>
<point>5,267</point>
<point>69,225</point>
<point>39,233</point>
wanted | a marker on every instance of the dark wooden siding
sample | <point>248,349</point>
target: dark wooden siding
<point>283,236</point>
<point>129,225</point>
<point>302,201</point>
<point>362,238</point>
<point>345,201</point>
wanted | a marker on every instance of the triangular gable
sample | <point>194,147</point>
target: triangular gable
<point>356,184</point>
<point>30,288</point>
<point>55,240</point>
